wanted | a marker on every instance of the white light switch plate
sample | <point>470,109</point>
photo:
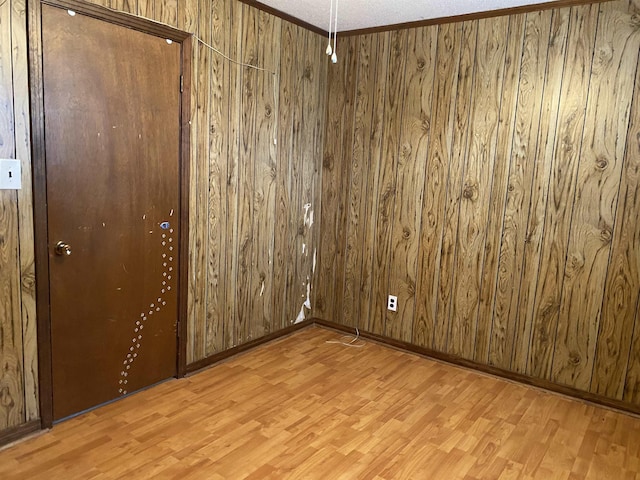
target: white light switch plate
<point>10,174</point>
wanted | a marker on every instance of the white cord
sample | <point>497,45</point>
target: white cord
<point>231,59</point>
<point>329,50</point>
<point>334,56</point>
<point>352,343</point>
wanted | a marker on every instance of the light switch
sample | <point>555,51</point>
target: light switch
<point>10,174</point>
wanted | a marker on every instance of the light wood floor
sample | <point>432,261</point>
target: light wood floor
<point>301,408</point>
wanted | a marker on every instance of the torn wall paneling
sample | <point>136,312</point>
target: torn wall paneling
<point>245,203</point>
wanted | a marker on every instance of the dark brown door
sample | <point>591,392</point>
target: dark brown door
<point>112,138</point>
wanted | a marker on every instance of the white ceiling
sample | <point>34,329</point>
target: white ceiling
<point>357,14</point>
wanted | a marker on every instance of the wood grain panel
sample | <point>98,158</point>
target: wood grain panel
<point>535,226</point>
<point>265,178</point>
<point>436,182</point>
<point>604,142</point>
<point>622,287</point>
<point>379,85</point>
<point>246,166</point>
<point>477,185</point>
<point>313,125</point>
<point>526,124</point>
<point>497,204</point>
<point>281,253</point>
<point>11,356</point>
<point>217,175</point>
<point>573,99</point>
<point>338,128</point>
<point>358,184</point>
<point>296,277</point>
<point>199,245</point>
<point>394,103</point>
<point>446,269</point>
<point>514,183</point>
<point>349,56</point>
<point>410,175</point>
<point>25,208</point>
<point>226,169</point>
<point>233,167</point>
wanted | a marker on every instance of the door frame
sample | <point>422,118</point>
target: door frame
<point>36,89</point>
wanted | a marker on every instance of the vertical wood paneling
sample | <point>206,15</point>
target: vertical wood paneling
<point>349,54</point>
<point>454,191</point>
<point>309,193</point>
<point>296,277</point>
<point>622,287</point>
<point>436,184</point>
<point>358,185</point>
<point>283,175</point>
<point>379,85</point>
<point>497,205</point>
<point>525,222</point>
<point>476,190</point>
<point>245,167</point>
<point>575,85</point>
<point>25,214</point>
<point>394,103</point>
<point>526,124</point>
<point>199,195</point>
<point>535,226</point>
<point>410,174</point>
<point>218,145</point>
<point>338,128</point>
<point>233,166</point>
<point>240,180</point>
<point>604,141</point>
<point>11,355</point>
<point>265,178</point>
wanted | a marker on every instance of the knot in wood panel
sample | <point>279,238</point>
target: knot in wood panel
<point>470,192</point>
<point>606,234</point>
<point>601,163</point>
<point>548,311</point>
<point>327,162</point>
<point>421,63</point>
<point>28,282</point>
<point>575,358</point>
<point>308,73</point>
<point>268,111</point>
<point>634,21</point>
<point>406,233</point>
<point>575,262</point>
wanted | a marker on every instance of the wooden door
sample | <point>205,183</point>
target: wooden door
<point>112,149</point>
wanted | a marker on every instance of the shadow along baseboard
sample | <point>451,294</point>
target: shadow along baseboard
<point>487,369</point>
<point>218,357</point>
<point>16,433</point>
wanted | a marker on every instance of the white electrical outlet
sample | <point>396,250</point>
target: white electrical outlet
<point>392,303</point>
<point>10,175</point>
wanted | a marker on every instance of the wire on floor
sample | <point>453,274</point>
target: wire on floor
<point>351,343</point>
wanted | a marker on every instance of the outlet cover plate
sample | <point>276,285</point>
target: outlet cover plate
<point>392,303</point>
<point>10,174</point>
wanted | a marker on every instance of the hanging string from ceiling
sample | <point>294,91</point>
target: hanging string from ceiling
<point>333,19</point>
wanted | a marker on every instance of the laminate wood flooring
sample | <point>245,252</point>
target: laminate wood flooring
<point>302,408</point>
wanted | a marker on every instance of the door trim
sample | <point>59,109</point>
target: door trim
<point>36,89</point>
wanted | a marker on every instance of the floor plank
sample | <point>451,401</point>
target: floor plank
<point>304,408</point>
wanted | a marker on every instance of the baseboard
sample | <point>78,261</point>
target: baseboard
<point>16,433</point>
<point>218,357</point>
<point>495,371</point>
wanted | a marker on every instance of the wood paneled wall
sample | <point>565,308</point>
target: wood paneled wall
<point>487,173</point>
<point>257,140</point>
<point>18,342</point>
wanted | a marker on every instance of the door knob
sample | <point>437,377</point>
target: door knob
<point>63,249</point>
